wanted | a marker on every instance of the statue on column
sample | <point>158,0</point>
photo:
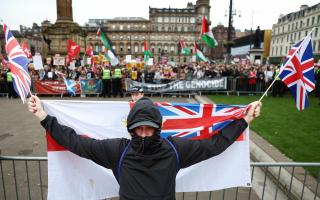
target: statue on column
<point>257,39</point>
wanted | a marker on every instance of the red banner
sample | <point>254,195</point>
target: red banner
<point>52,87</point>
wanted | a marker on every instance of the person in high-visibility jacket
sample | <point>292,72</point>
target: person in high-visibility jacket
<point>116,82</point>
<point>11,91</point>
<point>106,81</point>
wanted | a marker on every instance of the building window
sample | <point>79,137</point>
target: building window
<point>192,20</point>
<point>172,49</point>
<point>316,32</point>
<point>121,37</point>
<point>128,37</point>
<point>129,49</point>
<point>318,20</point>
<point>301,23</point>
<point>136,48</point>
<point>121,48</point>
<point>312,21</point>
<point>159,50</point>
<point>165,48</point>
<point>308,20</point>
<point>299,35</point>
<point>121,27</point>
<point>113,26</point>
<point>160,19</point>
<point>288,27</point>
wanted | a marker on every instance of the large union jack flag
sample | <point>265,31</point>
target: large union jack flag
<point>18,62</point>
<point>197,121</point>
<point>297,72</point>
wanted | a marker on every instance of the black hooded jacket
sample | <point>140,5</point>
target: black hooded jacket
<point>149,166</point>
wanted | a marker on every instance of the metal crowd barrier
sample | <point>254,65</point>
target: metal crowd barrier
<point>26,178</point>
<point>238,85</point>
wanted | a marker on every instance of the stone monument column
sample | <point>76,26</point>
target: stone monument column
<point>64,11</point>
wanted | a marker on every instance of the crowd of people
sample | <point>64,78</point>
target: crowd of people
<point>249,77</point>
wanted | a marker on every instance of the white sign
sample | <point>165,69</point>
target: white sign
<point>128,58</point>
<point>58,60</point>
<point>37,62</point>
<point>194,59</point>
<point>72,65</point>
<point>88,61</point>
<point>50,74</point>
<point>150,61</point>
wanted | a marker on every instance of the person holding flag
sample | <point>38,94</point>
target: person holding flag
<point>139,163</point>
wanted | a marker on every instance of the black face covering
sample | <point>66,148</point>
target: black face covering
<point>146,145</point>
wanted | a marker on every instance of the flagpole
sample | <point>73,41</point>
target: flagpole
<point>275,78</point>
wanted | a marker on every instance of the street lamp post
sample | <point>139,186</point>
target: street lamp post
<point>229,34</point>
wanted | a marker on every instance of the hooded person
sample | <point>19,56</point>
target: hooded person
<point>146,165</point>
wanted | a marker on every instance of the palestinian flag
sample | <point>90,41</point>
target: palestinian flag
<point>146,52</point>
<point>199,54</point>
<point>109,52</point>
<point>206,34</point>
<point>184,49</point>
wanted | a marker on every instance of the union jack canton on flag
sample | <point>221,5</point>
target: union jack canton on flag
<point>18,62</point>
<point>297,72</point>
<point>197,121</point>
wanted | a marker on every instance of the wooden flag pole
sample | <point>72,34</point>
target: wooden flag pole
<point>275,78</point>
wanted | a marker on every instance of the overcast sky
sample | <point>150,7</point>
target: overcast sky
<point>265,12</point>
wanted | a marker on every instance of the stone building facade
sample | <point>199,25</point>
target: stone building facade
<point>293,27</point>
<point>162,31</point>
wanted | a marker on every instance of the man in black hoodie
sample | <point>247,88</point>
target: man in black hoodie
<point>145,166</point>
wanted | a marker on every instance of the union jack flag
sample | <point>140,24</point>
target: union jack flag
<point>18,62</point>
<point>297,72</point>
<point>197,121</point>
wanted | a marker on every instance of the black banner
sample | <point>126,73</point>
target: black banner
<point>181,85</point>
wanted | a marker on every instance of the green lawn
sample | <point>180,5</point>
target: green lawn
<point>294,133</point>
